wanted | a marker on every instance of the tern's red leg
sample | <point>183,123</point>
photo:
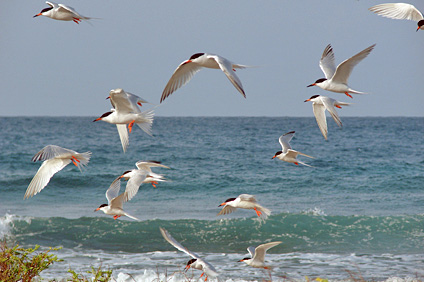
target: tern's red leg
<point>296,163</point>
<point>154,183</point>
<point>130,126</point>
<point>73,159</point>
<point>338,106</point>
<point>116,216</point>
<point>259,213</point>
<point>140,104</point>
<point>348,95</point>
<point>76,20</point>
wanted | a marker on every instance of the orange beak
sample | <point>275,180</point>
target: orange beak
<point>97,209</point>
<point>223,204</point>
<point>274,156</point>
<point>39,14</point>
<point>97,119</point>
<point>307,100</point>
<point>313,84</point>
<point>187,267</point>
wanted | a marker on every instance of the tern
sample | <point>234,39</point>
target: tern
<point>257,254</point>
<point>138,176</point>
<point>196,262</point>
<point>186,70</point>
<point>244,201</point>
<point>322,103</point>
<point>400,11</point>
<point>115,203</point>
<point>147,165</point>
<point>287,154</point>
<point>61,12</point>
<point>336,78</point>
<point>125,112</point>
<point>55,159</point>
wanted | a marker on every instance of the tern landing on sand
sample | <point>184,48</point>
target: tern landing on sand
<point>399,11</point>
<point>188,68</point>
<point>257,254</point>
<point>287,154</point>
<point>336,78</point>
<point>126,112</point>
<point>244,201</point>
<point>55,159</point>
<point>196,262</point>
<point>115,202</point>
<point>322,103</point>
<point>62,13</point>
<point>138,176</point>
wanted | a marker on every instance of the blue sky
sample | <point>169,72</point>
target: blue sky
<point>55,68</point>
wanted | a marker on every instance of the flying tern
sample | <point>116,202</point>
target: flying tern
<point>400,11</point>
<point>136,177</point>
<point>62,13</point>
<point>186,70</point>
<point>322,103</point>
<point>125,112</point>
<point>244,201</point>
<point>115,202</point>
<point>55,159</point>
<point>336,78</point>
<point>287,154</point>
<point>196,262</point>
<point>257,254</point>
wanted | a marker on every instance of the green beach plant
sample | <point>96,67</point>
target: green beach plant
<point>20,264</point>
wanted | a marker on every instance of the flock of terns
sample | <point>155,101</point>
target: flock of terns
<point>126,111</point>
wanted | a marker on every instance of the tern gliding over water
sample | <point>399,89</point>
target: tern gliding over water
<point>287,154</point>
<point>115,202</point>
<point>244,201</point>
<point>187,69</point>
<point>196,262</point>
<point>322,103</point>
<point>257,254</point>
<point>336,78</point>
<point>399,11</point>
<point>55,159</point>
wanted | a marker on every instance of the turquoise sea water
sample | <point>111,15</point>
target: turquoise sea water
<point>359,208</point>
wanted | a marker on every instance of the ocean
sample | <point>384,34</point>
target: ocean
<point>358,212</point>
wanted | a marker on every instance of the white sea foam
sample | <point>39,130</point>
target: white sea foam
<point>7,223</point>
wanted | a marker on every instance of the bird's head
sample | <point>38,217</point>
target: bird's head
<point>100,207</point>
<point>321,80</point>
<point>226,201</point>
<point>312,97</point>
<point>420,25</point>
<point>102,116</point>
<point>189,264</point>
<point>277,154</point>
<point>43,11</point>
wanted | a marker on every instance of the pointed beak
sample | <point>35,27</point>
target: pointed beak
<point>108,97</point>
<point>223,204</point>
<point>39,14</point>
<point>418,28</point>
<point>187,267</point>
<point>97,209</point>
<point>97,119</point>
<point>240,260</point>
<point>313,84</point>
<point>307,100</point>
<point>273,157</point>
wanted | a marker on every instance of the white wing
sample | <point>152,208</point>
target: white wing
<point>136,100</point>
<point>227,67</point>
<point>400,11</point>
<point>344,70</point>
<point>46,171</point>
<point>207,267</point>
<point>113,190</point>
<point>52,4</point>
<point>183,74</point>
<point>118,202</point>
<point>251,251</point>
<point>52,151</point>
<point>329,105</point>
<point>326,63</point>
<point>146,165</point>
<point>319,112</point>
<point>226,210</point>
<point>63,8</point>
<point>121,102</point>
<point>285,140</point>
<point>123,135</point>
<point>247,198</point>
<point>260,250</point>
<point>134,184</point>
